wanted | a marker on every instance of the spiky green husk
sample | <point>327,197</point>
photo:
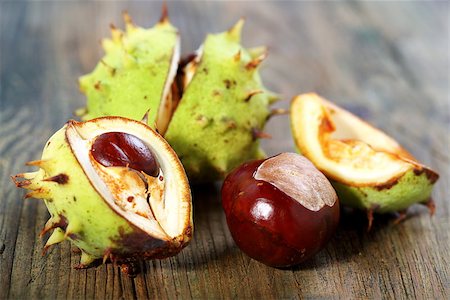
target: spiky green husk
<point>130,79</point>
<point>222,112</point>
<point>408,190</point>
<point>224,106</point>
<point>312,124</point>
<point>79,214</point>
<point>74,206</point>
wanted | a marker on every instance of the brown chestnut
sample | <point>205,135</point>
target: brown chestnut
<point>119,149</point>
<point>280,211</point>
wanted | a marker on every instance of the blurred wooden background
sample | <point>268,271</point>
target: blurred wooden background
<point>386,61</point>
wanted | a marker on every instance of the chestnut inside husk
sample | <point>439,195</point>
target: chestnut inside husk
<point>124,150</point>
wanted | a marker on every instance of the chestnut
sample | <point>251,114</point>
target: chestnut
<point>114,149</point>
<point>281,210</point>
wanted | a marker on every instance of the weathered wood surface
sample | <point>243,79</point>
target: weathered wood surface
<point>386,61</point>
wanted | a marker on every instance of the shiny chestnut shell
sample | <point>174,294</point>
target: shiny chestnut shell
<point>269,225</point>
<point>121,149</point>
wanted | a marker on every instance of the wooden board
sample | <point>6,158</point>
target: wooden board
<point>386,61</point>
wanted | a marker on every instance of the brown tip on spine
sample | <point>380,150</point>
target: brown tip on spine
<point>59,179</point>
<point>36,194</point>
<point>20,183</point>
<point>53,223</point>
<point>145,117</point>
<point>431,206</point>
<point>237,56</point>
<point>48,226</point>
<point>251,94</point>
<point>36,163</point>
<point>401,215</point>
<point>112,26</point>
<point>126,18</point>
<point>106,255</point>
<point>259,134</point>
<point>369,218</point>
<point>254,63</point>
<point>164,13</point>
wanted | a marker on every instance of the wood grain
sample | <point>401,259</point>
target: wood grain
<point>386,61</point>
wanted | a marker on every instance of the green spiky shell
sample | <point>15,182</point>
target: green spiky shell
<point>131,77</point>
<point>402,190</point>
<point>219,119</point>
<point>79,214</point>
<point>408,190</point>
<point>213,128</point>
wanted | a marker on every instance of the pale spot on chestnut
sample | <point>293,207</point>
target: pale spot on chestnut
<point>262,210</point>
